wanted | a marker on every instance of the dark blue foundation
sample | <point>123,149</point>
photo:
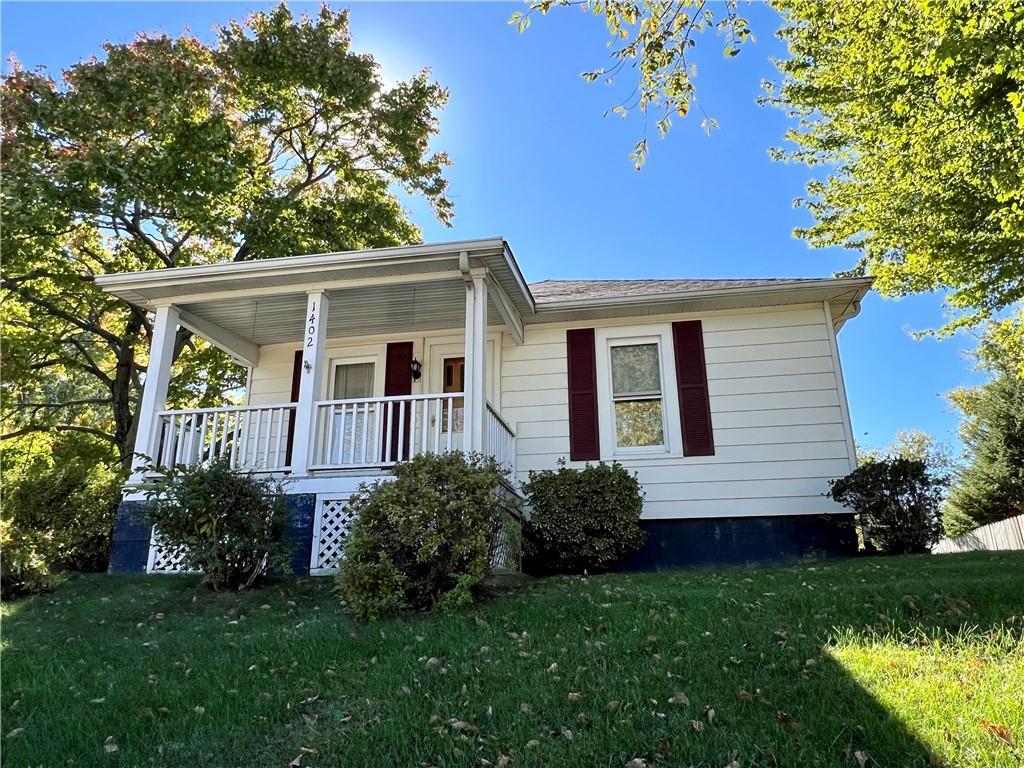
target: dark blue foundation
<point>743,541</point>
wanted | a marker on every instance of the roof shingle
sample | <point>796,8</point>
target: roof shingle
<point>568,290</point>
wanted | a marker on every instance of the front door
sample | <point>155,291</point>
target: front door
<point>397,381</point>
<point>454,381</point>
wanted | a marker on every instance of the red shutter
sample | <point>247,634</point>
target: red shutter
<point>584,442</point>
<point>692,380</point>
<point>398,381</point>
<point>296,380</point>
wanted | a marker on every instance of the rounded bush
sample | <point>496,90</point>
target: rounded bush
<point>231,526</point>
<point>581,519</point>
<point>898,501</point>
<point>423,539</point>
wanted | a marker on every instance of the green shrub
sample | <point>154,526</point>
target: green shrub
<point>230,525</point>
<point>23,569</point>
<point>581,519</point>
<point>898,501</point>
<point>60,503</point>
<point>422,540</point>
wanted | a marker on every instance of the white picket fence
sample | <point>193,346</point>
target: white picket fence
<point>1006,535</point>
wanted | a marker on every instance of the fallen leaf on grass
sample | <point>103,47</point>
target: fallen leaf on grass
<point>15,733</point>
<point>575,697</point>
<point>637,762</point>
<point>532,744</point>
<point>110,746</point>
<point>567,734</point>
<point>787,720</point>
<point>999,731</point>
<point>432,663</point>
<point>678,698</point>
<point>697,725</point>
<point>525,708</point>
<point>462,725</point>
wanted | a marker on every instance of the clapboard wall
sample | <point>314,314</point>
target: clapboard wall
<point>778,414</point>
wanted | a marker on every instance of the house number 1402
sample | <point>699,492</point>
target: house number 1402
<point>311,330</point>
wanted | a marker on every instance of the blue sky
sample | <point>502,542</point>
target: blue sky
<point>536,162</point>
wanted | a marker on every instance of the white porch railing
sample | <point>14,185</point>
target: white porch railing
<point>347,434</point>
<point>252,437</point>
<point>499,439</point>
<point>382,431</point>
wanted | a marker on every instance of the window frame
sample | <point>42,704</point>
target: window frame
<point>661,336</point>
<point>378,381</point>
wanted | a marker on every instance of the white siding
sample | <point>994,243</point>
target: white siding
<point>775,404</point>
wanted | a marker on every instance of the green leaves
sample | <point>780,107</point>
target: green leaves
<point>274,140</point>
<point>914,107</point>
<point>423,540</point>
<point>581,519</point>
<point>652,39</point>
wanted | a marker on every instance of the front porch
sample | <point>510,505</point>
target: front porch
<point>356,362</point>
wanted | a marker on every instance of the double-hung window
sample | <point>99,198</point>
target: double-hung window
<point>637,394</point>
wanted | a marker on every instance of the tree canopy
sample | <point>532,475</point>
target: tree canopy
<point>990,485</point>
<point>914,110</point>
<point>277,138</point>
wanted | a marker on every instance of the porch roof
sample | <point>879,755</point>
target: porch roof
<point>406,264</point>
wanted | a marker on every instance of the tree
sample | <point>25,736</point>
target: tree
<point>914,445</point>
<point>898,502</point>
<point>916,111</point>
<point>276,139</point>
<point>991,485</point>
<point>653,39</point>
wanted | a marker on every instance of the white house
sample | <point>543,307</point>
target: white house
<point>726,397</point>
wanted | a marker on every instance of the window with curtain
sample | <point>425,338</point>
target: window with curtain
<point>637,395</point>
<point>352,381</point>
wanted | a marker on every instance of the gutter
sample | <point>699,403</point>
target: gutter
<point>307,262</point>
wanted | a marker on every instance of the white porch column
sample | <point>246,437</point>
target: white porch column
<point>314,338</point>
<point>476,364</point>
<point>154,391</point>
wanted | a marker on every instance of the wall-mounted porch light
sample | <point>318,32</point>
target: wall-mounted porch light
<point>416,368</point>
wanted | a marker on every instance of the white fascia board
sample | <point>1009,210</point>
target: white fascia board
<point>294,264</point>
<point>507,310</point>
<point>244,351</point>
<point>513,266</point>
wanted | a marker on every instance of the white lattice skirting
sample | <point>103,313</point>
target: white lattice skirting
<point>331,526</point>
<point>164,559</point>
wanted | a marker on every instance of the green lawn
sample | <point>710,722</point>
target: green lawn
<point>876,662</point>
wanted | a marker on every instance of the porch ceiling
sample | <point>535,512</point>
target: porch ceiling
<point>363,311</point>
